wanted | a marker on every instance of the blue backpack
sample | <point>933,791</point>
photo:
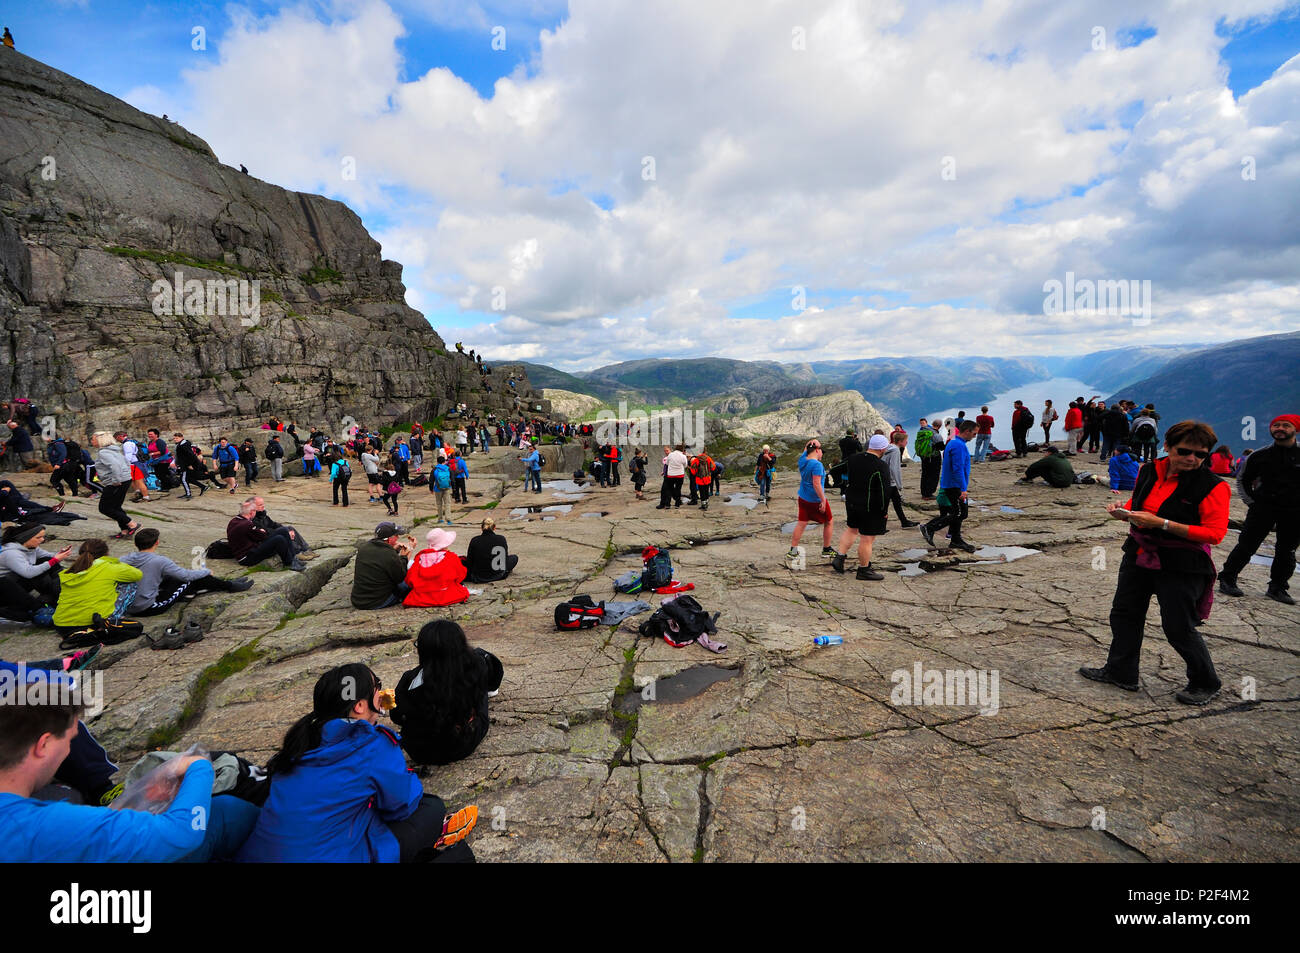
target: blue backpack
<point>442,477</point>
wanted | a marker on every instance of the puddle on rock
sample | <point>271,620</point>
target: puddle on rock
<point>596,515</point>
<point>1009,509</point>
<point>1268,561</point>
<point>1004,554</point>
<point>911,569</point>
<point>747,500</point>
<point>788,527</point>
<point>676,688</point>
<point>911,554</point>
<point>521,512</point>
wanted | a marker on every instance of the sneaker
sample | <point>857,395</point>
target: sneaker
<point>296,565</point>
<point>1229,587</point>
<point>308,554</point>
<point>866,572</point>
<point>927,534</point>
<point>661,507</point>
<point>828,553</point>
<point>909,524</point>
<point>79,660</point>
<point>964,546</point>
<point>457,826</point>
<point>1196,696</point>
<point>1101,675</point>
<point>838,563</point>
<point>193,632</point>
<point>1278,594</point>
<point>704,505</point>
<point>170,639</point>
<point>242,584</point>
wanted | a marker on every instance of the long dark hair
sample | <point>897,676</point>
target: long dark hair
<point>90,550</point>
<point>335,693</point>
<point>452,673</point>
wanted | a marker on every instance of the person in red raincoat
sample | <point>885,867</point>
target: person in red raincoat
<point>436,574</point>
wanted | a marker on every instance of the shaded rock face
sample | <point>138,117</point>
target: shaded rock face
<point>101,206</point>
<point>829,415</point>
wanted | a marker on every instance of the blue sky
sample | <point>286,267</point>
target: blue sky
<point>555,205</point>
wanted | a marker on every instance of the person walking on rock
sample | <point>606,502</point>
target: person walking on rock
<point>893,458</point>
<point>866,506</point>
<point>1269,484</point>
<point>1179,509</point>
<point>813,505</point>
<point>954,483</point>
<point>114,479</point>
<point>1022,418</point>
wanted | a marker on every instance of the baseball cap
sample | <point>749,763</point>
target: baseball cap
<point>385,530</point>
<point>878,442</point>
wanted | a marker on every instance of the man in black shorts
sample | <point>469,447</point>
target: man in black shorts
<point>866,504</point>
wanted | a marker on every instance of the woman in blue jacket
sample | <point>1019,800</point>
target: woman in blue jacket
<point>341,790</point>
<point>1123,470</point>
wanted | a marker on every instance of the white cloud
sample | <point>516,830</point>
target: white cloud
<point>824,164</point>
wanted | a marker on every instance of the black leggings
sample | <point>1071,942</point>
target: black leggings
<point>417,834</point>
<point>172,590</point>
<point>341,482</point>
<point>16,594</point>
<point>110,504</point>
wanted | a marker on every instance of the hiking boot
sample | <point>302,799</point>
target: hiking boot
<point>1228,586</point>
<point>964,546</point>
<point>838,562</point>
<point>308,554</point>
<point>1196,696</point>
<point>866,572</point>
<point>927,534</point>
<point>457,826</point>
<point>1101,675</point>
<point>1278,594</point>
<point>909,524</point>
<point>170,639</point>
<point>828,552</point>
<point>242,584</point>
<point>193,632</point>
<point>296,566</point>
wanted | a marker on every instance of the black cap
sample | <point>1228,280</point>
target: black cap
<point>385,530</point>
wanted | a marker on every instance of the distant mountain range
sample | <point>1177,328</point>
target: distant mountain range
<point>1220,383</point>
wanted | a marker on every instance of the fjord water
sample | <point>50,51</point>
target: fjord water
<point>1059,390</point>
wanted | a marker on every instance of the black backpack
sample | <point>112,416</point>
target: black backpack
<point>1026,418</point>
<point>580,612</point>
<point>658,570</point>
<point>680,622</point>
<point>220,549</point>
<point>1145,432</point>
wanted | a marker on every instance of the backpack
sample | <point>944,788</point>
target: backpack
<point>1026,418</point>
<point>106,631</point>
<point>580,612</point>
<point>680,622</point>
<point>441,477</point>
<point>541,459</point>
<point>418,480</point>
<point>394,488</point>
<point>923,443</point>
<point>1145,432</point>
<point>344,469</point>
<point>658,568</point>
<point>220,549</point>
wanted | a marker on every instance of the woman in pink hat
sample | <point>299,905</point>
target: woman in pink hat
<point>436,574</point>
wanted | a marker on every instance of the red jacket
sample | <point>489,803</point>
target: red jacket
<point>701,467</point>
<point>1074,419</point>
<point>435,579</point>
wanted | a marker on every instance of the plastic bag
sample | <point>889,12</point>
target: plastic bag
<point>157,788</point>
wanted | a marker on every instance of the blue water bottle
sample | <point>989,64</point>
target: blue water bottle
<point>829,640</point>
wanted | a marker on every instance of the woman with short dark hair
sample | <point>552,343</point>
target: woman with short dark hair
<point>1179,509</point>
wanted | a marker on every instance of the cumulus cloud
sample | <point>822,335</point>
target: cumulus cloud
<point>657,164</point>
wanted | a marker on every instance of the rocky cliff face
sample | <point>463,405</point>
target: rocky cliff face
<point>826,417</point>
<point>143,283</point>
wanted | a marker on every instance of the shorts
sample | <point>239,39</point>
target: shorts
<point>374,479</point>
<point>812,513</point>
<point>227,470</point>
<point>136,473</point>
<point>865,521</point>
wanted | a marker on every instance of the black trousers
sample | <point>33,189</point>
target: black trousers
<point>896,497</point>
<point>417,834</point>
<point>952,516</point>
<point>614,479</point>
<point>930,467</point>
<point>1261,519</point>
<point>341,483</point>
<point>172,591</point>
<point>1177,593</point>
<point>110,504</point>
<point>277,544</point>
<point>20,597</point>
<point>1021,444</point>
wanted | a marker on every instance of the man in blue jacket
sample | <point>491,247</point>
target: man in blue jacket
<point>954,481</point>
<point>533,469</point>
<point>34,741</point>
<point>227,458</point>
<point>1123,470</point>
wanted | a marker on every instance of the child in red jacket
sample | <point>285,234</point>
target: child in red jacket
<point>436,575</point>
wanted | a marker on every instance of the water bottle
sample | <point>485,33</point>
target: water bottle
<point>829,640</point>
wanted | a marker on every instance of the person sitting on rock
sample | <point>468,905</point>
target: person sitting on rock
<point>379,578</point>
<point>95,584</point>
<point>250,544</point>
<point>16,508</point>
<point>436,574</point>
<point>442,705</point>
<point>164,583</point>
<point>1123,469</point>
<point>29,575</point>
<point>262,520</point>
<point>489,558</point>
<point>341,790</point>
<point>19,449</point>
<point>1052,467</point>
<point>39,743</point>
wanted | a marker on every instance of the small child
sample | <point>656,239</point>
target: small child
<point>388,482</point>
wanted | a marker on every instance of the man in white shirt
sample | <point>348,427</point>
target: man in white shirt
<point>673,476</point>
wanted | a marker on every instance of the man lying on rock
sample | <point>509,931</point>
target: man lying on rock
<point>164,583</point>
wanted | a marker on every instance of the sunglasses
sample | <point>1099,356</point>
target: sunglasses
<point>1188,452</point>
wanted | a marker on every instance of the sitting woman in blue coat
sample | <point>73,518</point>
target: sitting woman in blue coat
<point>341,791</point>
<point>1123,469</point>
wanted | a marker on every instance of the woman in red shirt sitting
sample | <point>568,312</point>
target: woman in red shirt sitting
<point>436,575</point>
<point>1221,462</point>
<point>1179,509</point>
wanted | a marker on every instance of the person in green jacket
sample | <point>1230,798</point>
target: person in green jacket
<point>1053,468</point>
<point>95,583</point>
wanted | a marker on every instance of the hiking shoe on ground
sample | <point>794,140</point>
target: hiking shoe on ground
<point>1196,696</point>
<point>828,552</point>
<point>170,639</point>
<point>964,546</point>
<point>307,554</point>
<point>242,584</point>
<point>1101,675</point>
<point>838,563</point>
<point>297,566</point>
<point>79,660</point>
<point>1229,587</point>
<point>457,826</point>
<point>866,572</point>
<point>1278,594</point>
<point>927,534</point>
<point>193,632</point>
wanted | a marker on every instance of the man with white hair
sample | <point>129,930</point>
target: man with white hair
<point>250,544</point>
